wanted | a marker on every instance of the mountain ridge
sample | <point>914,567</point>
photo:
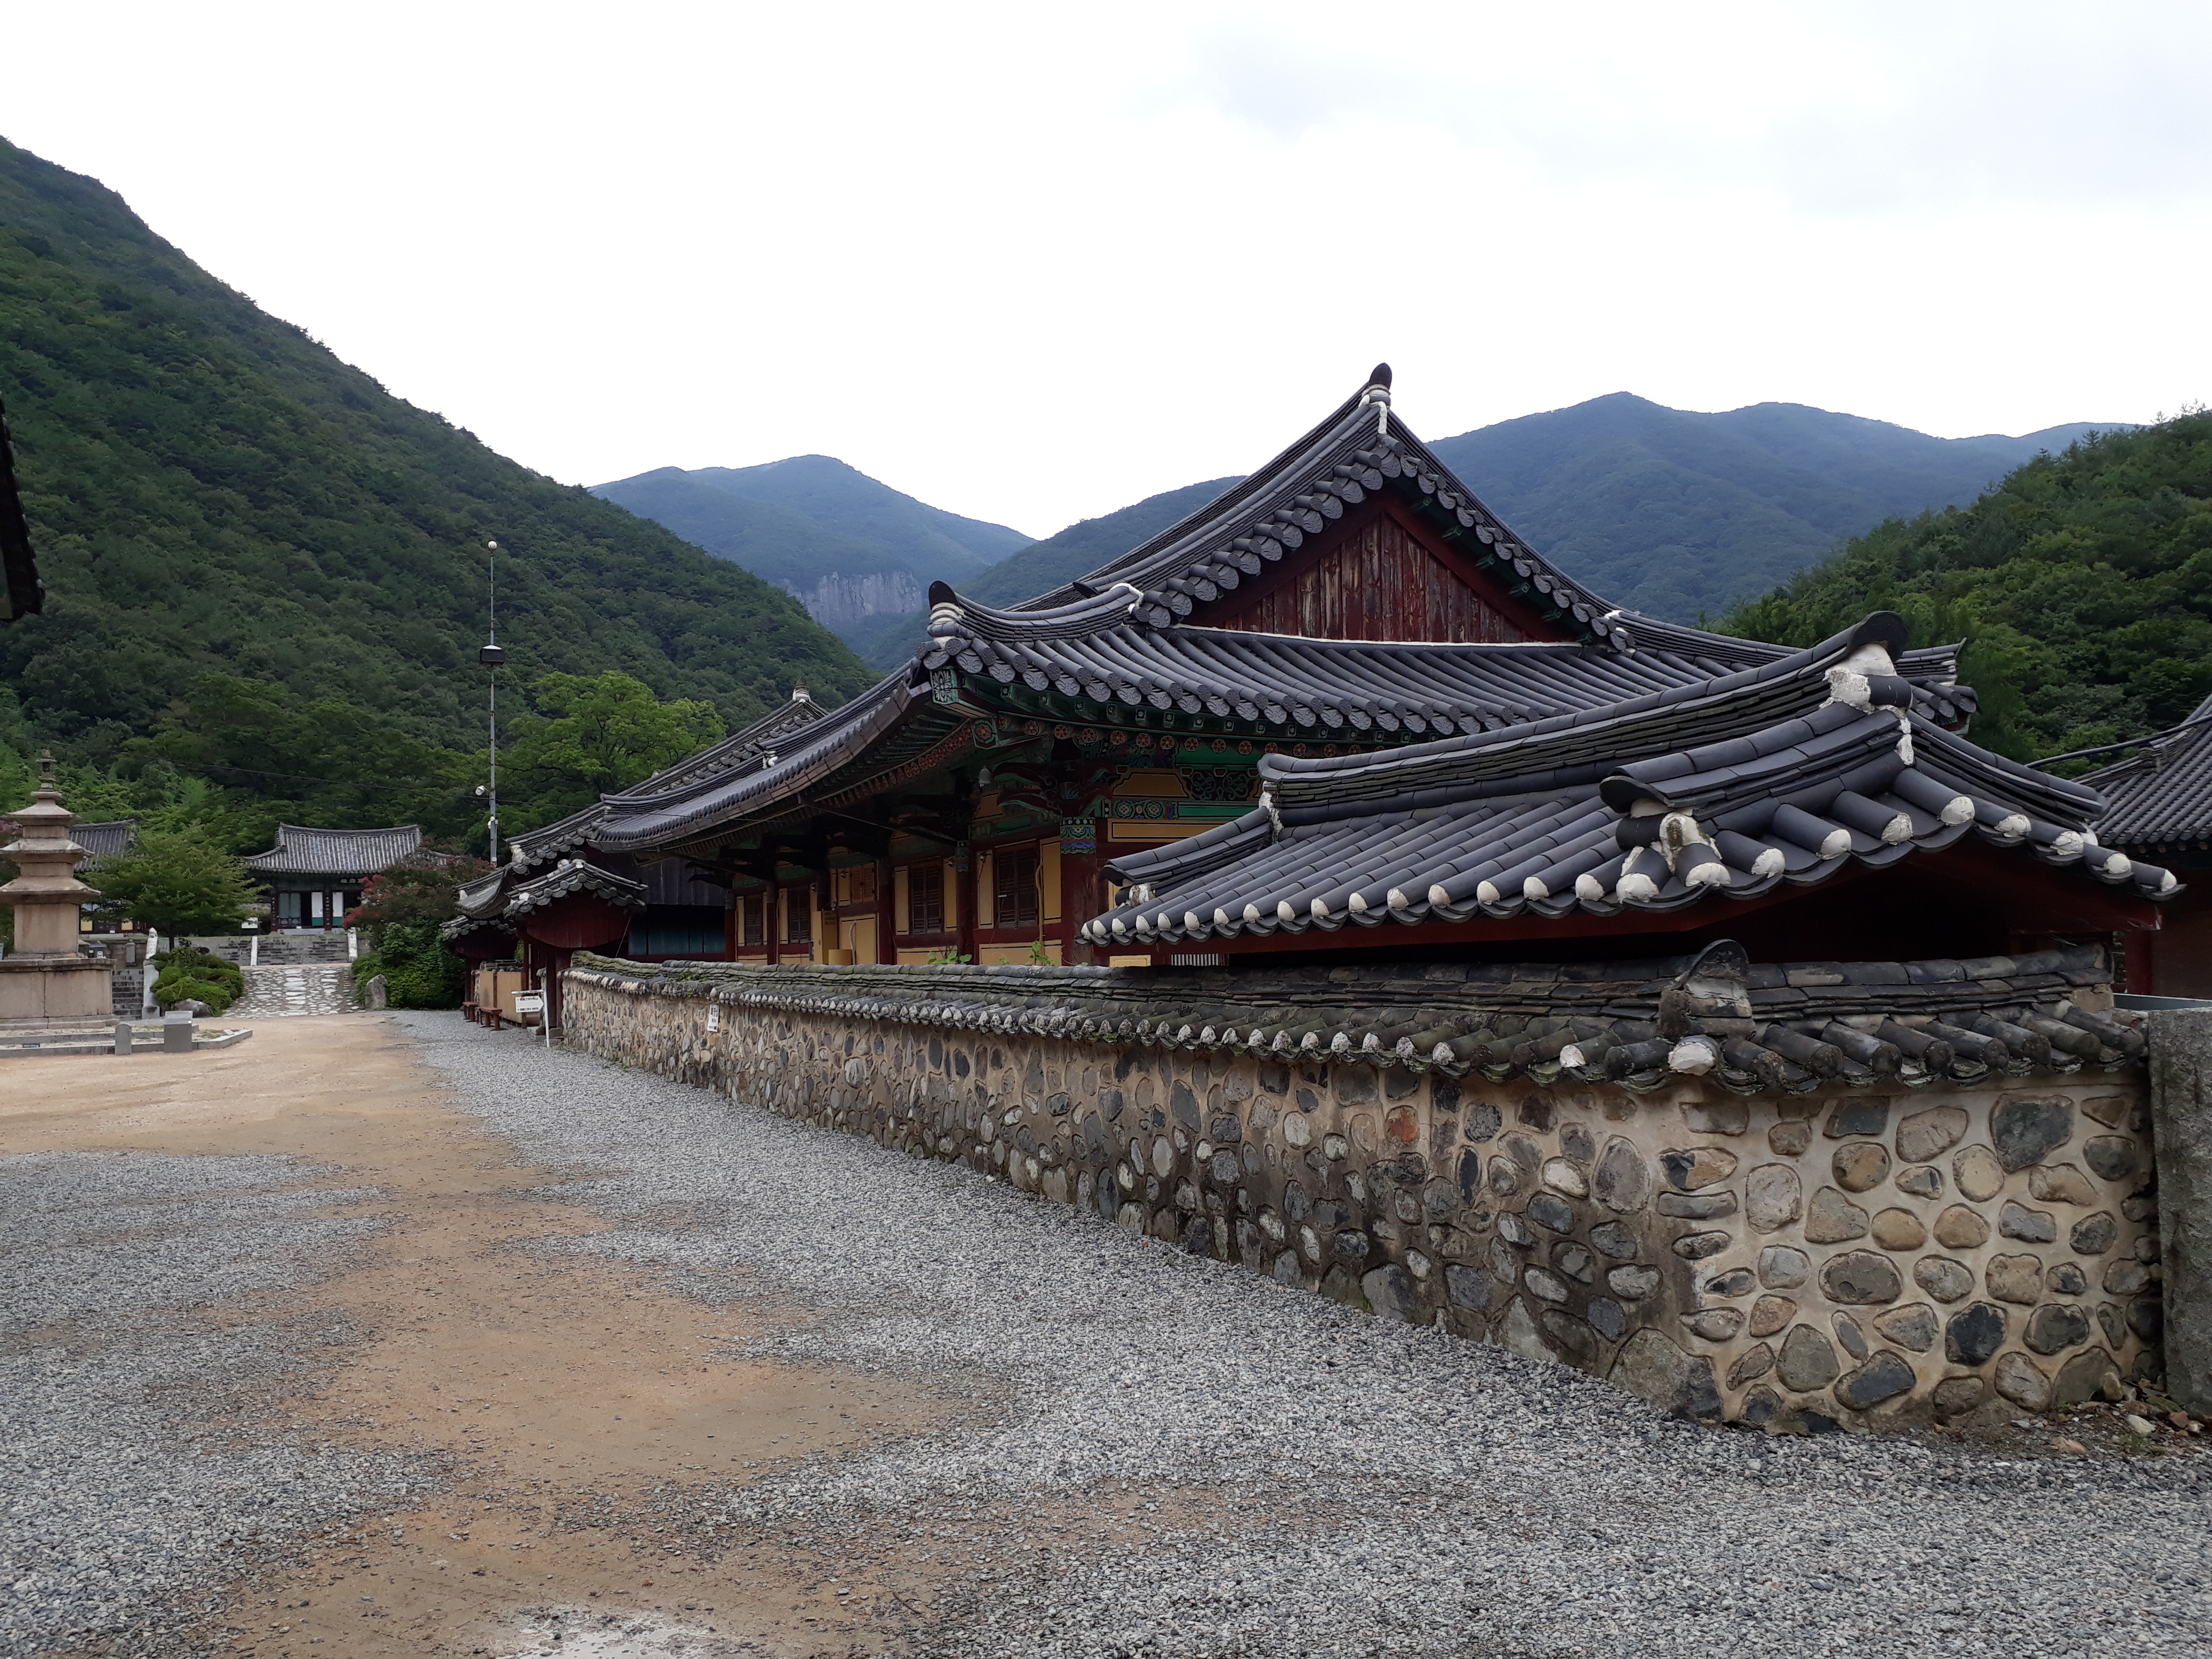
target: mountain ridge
<point>1681,512</point>
<point>1678,512</point>
<point>848,546</point>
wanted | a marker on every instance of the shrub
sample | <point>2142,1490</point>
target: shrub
<point>419,971</point>
<point>190,974</point>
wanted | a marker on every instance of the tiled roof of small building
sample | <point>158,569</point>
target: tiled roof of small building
<point>1753,1028</point>
<point>1731,785</point>
<point>2161,798</point>
<point>462,927</point>
<point>574,876</point>
<point>104,841</point>
<point>300,851</point>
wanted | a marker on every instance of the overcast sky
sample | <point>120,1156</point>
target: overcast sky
<point>1031,264</point>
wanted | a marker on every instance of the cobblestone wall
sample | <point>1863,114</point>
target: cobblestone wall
<point>1775,1259</point>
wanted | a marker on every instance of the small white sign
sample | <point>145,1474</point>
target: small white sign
<point>530,1002</point>
<point>713,1016</point>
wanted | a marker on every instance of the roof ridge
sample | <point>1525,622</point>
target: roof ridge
<point>1309,484</point>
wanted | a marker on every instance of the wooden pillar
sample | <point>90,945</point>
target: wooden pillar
<point>1082,887</point>
<point>886,911</point>
<point>963,869</point>
<point>771,922</point>
<point>557,965</point>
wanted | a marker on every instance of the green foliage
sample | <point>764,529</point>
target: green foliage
<point>179,881</point>
<point>192,974</point>
<point>233,523</point>
<point>420,888</point>
<point>590,737</point>
<point>419,971</point>
<point>2081,585</point>
<point>328,761</point>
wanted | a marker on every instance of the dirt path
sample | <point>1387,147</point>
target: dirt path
<point>584,1414</point>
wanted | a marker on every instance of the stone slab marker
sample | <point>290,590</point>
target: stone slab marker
<point>2181,1116</point>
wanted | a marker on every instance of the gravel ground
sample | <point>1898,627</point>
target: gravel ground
<point>135,1476</point>
<point>1308,1480</point>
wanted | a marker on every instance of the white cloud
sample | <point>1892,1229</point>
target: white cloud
<point>1032,263</point>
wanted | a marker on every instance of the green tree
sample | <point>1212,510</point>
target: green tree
<point>589,736</point>
<point>2081,583</point>
<point>419,971</point>
<point>420,888</point>
<point>178,881</point>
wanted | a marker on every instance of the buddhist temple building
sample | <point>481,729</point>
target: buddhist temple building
<point>1344,711</point>
<point>314,877</point>
<point>1333,886</point>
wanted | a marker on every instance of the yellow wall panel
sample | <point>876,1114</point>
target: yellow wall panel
<point>1049,878</point>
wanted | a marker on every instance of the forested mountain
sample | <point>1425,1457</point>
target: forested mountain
<point>2082,582</point>
<point>848,548</point>
<point>1084,545</point>
<point>1675,513</point>
<point>225,512</point>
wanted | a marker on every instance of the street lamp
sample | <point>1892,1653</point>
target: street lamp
<point>491,657</point>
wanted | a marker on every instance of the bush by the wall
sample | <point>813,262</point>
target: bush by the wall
<point>190,974</point>
<point>419,971</point>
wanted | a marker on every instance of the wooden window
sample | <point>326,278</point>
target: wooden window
<point>1014,894</point>
<point>799,915</point>
<point>751,932</point>
<point>925,898</point>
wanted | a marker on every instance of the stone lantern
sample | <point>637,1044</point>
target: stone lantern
<point>47,977</point>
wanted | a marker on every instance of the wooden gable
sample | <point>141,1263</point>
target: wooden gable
<point>1380,573</point>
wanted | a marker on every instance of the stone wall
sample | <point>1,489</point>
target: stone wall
<point>1839,1256</point>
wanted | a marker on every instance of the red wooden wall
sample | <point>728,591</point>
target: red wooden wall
<point>1374,576</point>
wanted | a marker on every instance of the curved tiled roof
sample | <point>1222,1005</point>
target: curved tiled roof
<point>1780,1028</point>
<point>462,927</point>
<point>1360,449</point>
<point>1780,772</point>
<point>1296,684</point>
<point>741,753</point>
<point>1127,638</point>
<point>572,876</point>
<point>106,841</point>
<point>692,800</point>
<point>2161,797</point>
<point>300,851</point>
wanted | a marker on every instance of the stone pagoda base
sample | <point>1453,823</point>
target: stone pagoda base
<point>45,989</point>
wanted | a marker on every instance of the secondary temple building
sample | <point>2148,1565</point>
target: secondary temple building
<point>314,877</point>
<point>1332,886</point>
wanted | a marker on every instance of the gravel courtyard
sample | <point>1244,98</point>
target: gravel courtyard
<point>1016,1431</point>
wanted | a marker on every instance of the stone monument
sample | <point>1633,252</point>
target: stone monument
<point>47,978</point>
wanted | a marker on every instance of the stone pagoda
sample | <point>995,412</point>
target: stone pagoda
<point>47,978</point>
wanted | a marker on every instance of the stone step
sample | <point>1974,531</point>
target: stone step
<point>277,991</point>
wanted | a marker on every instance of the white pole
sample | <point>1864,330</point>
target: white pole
<point>353,944</point>
<point>153,948</point>
<point>253,951</point>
